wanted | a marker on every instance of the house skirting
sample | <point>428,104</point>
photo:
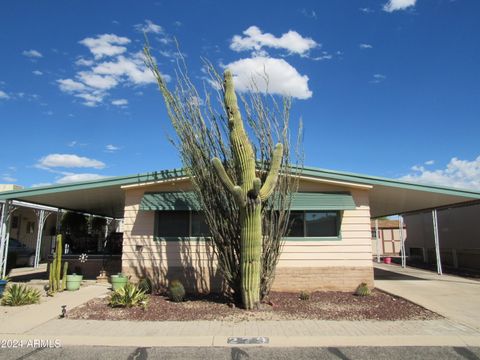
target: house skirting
<point>291,279</point>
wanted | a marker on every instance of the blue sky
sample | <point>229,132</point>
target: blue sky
<point>387,88</point>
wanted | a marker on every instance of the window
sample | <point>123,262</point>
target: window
<point>199,225</point>
<point>180,224</point>
<point>314,224</point>
<point>14,224</point>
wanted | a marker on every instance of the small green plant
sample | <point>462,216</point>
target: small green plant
<point>363,290</point>
<point>304,296</point>
<point>176,291</point>
<point>128,296</point>
<point>17,295</point>
<point>145,284</point>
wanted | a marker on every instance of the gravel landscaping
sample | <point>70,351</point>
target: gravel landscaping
<point>331,305</point>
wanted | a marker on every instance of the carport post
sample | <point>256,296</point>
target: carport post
<point>42,216</point>
<point>2,222</point>
<point>4,235</point>
<point>402,241</point>
<point>378,240</point>
<point>437,242</point>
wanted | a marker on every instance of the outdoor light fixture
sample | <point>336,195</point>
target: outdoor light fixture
<point>64,311</point>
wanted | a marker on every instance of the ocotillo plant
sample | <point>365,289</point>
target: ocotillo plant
<point>202,133</point>
<point>56,283</point>
<point>249,195</point>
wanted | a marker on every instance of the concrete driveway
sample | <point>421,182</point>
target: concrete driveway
<point>454,297</point>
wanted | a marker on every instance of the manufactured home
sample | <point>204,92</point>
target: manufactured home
<point>329,246</point>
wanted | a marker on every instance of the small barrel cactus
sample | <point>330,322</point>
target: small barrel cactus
<point>304,296</point>
<point>176,291</point>
<point>363,290</point>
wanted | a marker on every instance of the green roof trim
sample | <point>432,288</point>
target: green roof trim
<point>172,200</point>
<point>94,184</point>
<point>322,201</point>
<point>177,173</point>
<point>375,180</point>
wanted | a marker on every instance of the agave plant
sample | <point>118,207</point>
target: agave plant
<point>17,295</point>
<point>128,296</point>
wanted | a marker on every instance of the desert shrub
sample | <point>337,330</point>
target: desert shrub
<point>146,285</point>
<point>363,290</point>
<point>176,291</point>
<point>304,295</point>
<point>17,295</point>
<point>128,296</point>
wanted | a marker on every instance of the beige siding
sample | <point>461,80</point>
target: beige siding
<point>352,253</point>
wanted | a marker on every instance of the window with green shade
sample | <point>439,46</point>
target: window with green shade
<point>314,224</point>
<point>199,225</point>
<point>175,223</point>
<point>172,223</point>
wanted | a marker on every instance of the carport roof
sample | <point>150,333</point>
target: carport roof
<point>106,196</point>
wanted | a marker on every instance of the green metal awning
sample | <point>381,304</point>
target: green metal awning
<point>165,201</point>
<point>322,201</point>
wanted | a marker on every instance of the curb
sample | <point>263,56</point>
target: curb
<point>275,341</point>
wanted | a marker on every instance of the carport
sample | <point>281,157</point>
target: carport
<point>106,197</point>
<point>102,198</point>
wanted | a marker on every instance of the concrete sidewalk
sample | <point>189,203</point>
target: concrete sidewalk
<point>454,297</point>
<point>20,319</point>
<point>290,333</point>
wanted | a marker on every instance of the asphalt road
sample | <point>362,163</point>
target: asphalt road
<point>244,352</point>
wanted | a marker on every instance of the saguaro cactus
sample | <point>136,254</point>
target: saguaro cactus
<point>248,194</point>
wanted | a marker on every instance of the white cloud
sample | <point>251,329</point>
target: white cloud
<point>32,53</point>
<point>366,10</point>
<point>309,13</point>
<point>71,178</point>
<point>365,46</point>
<point>149,27</point>
<point>106,45</point>
<point>97,81</point>
<point>4,95</point>
<point>84,62</point>
<point>119,102</point>
<point>111,148</point>
<point>255,40</point>
<point>395,5</point>
<point>131,68</point>
<point>283,78</point>
<point>378,78</point>
<point>37,72</point>
<point>91,99</point>
<point>429,162</point>
<point>69,85</point>
<point>464,174</point>
<point>113,66</point>
<point>69,161</point>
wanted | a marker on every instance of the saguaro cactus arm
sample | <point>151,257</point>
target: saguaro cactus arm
<point>222,174</point>
<point>235,190</point>
<point>272,177</point>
